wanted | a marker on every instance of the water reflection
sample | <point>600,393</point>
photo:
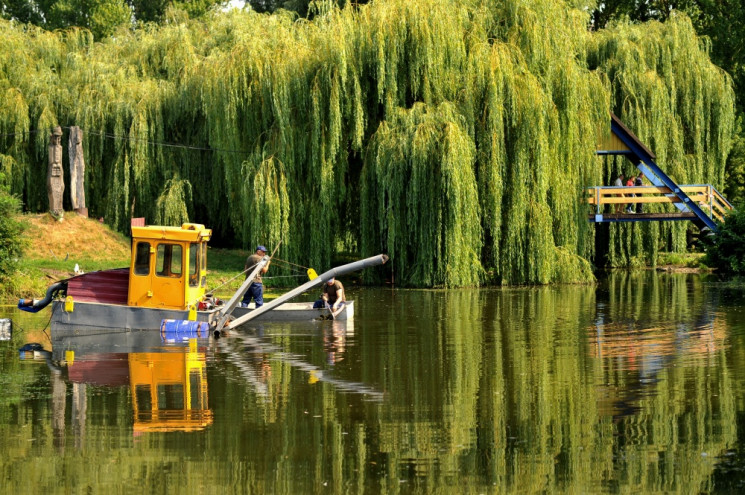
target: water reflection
<point>165,374</point>
<point>643,345</point>
<point>659,345</point>
<point>535,389</point>
<point>252,352</point>
<point>634,385</point>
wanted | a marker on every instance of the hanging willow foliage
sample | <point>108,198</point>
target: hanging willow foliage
<point>171,207</point>
<point>422,191</point>
<point>458,136</point>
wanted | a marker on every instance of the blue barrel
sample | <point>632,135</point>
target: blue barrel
<point>180,330</point>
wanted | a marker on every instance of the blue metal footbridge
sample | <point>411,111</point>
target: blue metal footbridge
<point>701,204</point>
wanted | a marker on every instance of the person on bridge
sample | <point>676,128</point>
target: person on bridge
<point>630,183</point>
<point>639,182</point>
<point>619,183</point>
<point>255,291</point>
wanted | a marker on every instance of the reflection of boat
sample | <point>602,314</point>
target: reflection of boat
<point>168,383</point>
<point>169,391</point>
<point>241,346</point>
<point>167,280</point>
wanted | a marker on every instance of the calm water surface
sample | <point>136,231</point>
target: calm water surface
<point>634,385</point>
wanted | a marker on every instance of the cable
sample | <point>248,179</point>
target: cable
<point>288,266</point>
<point>45,329</point>
<point>10,134</point>
<point>235,277</point>
<point>165,145</point>
<point>19,327</point>
<point>110,135</point>
<point>290,263</point>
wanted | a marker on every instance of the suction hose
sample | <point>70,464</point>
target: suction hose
<point>36,305</point>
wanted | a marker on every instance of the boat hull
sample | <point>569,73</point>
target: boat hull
<point>297,311</point>
<point>97,316</point>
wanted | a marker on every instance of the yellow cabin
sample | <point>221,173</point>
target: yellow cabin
<point>169,266</point>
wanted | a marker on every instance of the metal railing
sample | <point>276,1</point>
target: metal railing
<point>705,196</point>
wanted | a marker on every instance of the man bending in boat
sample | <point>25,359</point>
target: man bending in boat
<point>333,296</point>
<point>255,291</point>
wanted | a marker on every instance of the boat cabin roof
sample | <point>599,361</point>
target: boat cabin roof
<point>188,232</point>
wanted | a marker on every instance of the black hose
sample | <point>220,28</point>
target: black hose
<point>34,305</point>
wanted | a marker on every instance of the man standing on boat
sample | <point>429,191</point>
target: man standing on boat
<point>333,296</point>
<point>255,291</point>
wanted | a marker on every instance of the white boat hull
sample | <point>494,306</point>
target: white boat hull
<point>113,316</point>
<point>297,311</point>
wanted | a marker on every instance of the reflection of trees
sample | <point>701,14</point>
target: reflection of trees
<point>662,356</point>
<point>510,390</point>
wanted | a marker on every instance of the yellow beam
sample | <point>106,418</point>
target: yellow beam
<point>608,200</point>
<point>706,197</point>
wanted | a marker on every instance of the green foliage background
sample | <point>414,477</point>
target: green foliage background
<point>456,136</point>
<point>11,237</point>
<point>102,17</point>
<point>726,250</point>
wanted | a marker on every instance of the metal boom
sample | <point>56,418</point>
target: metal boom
<point>334,272</point>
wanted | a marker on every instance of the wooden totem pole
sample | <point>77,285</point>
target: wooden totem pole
<point>77,171</point>
<point>55,175</point>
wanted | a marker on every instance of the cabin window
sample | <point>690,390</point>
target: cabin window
<point>193,265</point>
<point>168,262</point>
<point>204,263</point>
<point>142,258</point>
<point>195,387</point>
<point>143,400</point>
<point>171,396</point>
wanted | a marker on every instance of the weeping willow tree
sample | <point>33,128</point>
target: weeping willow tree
<point>422,190</point>
<point>171,207</point>
<point>456,136</point>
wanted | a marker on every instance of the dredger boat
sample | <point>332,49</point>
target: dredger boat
<point>166,284</point>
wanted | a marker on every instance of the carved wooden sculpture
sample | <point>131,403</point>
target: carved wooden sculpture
<point>55,174</point>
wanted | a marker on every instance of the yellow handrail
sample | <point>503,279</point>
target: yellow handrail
<point>706,196</point>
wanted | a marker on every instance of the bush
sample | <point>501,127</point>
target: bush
<point>726,249</point>
<point>11,238</point>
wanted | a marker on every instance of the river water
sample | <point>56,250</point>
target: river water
<point>633,385</point>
